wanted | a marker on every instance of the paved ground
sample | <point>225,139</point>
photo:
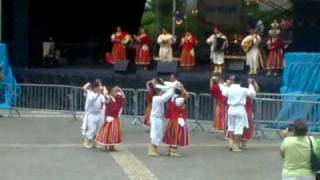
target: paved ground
<point>38,147</point>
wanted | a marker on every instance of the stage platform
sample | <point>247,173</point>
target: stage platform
<point>196,80</point>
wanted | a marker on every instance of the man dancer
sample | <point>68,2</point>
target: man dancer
<point>237,116</point>
<point>93,107</point>
<point>157,113</point>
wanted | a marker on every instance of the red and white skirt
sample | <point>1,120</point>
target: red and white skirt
<point>118,52</point>
<point>175,135</point>
<point>142,55</point>
<point>187,58</point>
<point>110,133</point>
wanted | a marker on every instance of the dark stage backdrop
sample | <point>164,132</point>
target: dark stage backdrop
<point>80,28</point>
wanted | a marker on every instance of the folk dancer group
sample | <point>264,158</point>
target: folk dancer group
<point>218,43</point>
<point>101,123</point>
<point>175,134</point>
<point>143,42</point>
<point>233,111</point>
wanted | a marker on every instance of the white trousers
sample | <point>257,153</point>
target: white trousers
<point>253,58</point>
<point>165,54</point>
<point>91,124</point>
<point>237,119</point>
<point>311,177</point>
<point>156,130</point>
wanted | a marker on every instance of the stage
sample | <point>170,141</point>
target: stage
<point>196,80</point>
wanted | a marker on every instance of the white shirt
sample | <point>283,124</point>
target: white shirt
<point>157,110</point>
<point>212,40</point>
<point>94,102</point>
<point>165,37</point>
<point>236,94</point>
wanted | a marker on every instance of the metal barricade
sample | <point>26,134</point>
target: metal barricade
<point>45,97</point>
<point>141,106</point>
<point>275,113</point>
<point>206,106</point>
<point>129,106</point>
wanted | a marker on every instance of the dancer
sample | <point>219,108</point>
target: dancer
<point>120,39</point>
<point>221,106</point>
<point>165,40</point>
<point>160,97</point>
<point>176,133</point>
<point>148,99</point>
<point>275,47</point>
<point>188,42</point>
<point>218,43</point>
<point>237,116</point>
<point>143,49</point>
<point>92,117</point>
<point>248,132</point>
<point>110,133</point>
<point>250,45</point>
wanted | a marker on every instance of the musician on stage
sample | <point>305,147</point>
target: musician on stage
<point>165,40</point>
<point>275,47</point>
<point>187,58</point>
<point>250,45</point>
<point>143,49</point>
<point>218,43</point>
<point>120,39</point>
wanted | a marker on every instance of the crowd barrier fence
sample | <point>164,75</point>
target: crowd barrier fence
<point>270,111</point>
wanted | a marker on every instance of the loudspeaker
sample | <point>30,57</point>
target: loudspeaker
<point>123,66</point>
<point>166,67</point>
<point>236,66</point>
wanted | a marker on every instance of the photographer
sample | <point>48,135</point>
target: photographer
<point>295,151</point>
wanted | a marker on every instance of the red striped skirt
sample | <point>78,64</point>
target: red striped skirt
<point>186,59</point>
<point>142,56</point>
<point>110,133</point>
<point>219,116</point>
<point>175,135</point>
<point>118,52</point>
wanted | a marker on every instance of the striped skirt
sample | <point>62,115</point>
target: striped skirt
<point>175,135</point>
<point>110,133</point>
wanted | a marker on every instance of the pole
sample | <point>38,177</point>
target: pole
<point>174,8</point>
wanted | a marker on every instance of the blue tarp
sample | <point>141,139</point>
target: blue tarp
<point>9,89</point>
<point>301,73</point>
<point>301,76</point>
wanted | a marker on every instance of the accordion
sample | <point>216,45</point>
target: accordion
<point>219,44</point>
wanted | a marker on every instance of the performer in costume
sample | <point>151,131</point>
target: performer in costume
<point>165,40</point>
<point>110,133</point>
<point>188,42</point>
<point>143,49</point>
<point>148,99</point>
<point>250,45</point>
<point>120,39</point>
<point>248,132</point>
<point>221,107</point>
<point>218,43</point>
<point>92,118</point>
<point>161,95</point>
<point>176,133</point>
<point>237,116</point>
<point>275,47</point>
